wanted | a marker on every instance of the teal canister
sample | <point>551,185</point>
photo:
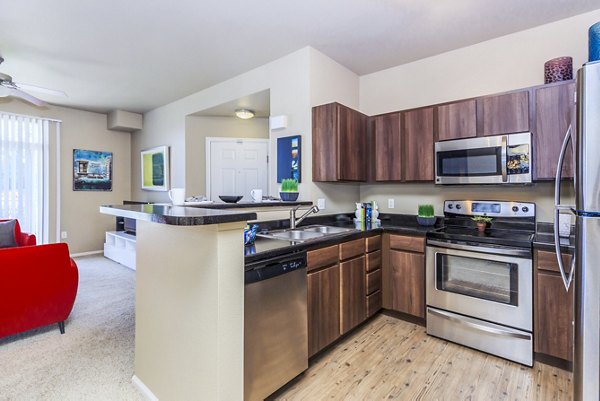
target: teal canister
<point>594,42</point>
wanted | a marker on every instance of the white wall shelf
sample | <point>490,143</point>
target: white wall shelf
<point>120,247</point>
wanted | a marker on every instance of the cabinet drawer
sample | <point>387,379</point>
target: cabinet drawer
<point>546,260</point>
<point>373,243</point>
<point>373,261</point>
<point>351,249</point>
<point>407,243</point>
<point>322,257</point>
<point>373,303</point>
<point>373,281</point>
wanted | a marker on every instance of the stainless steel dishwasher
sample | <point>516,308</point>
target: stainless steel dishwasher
<point>275,324</point>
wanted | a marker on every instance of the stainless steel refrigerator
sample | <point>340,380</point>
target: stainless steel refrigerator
<point>586,263</point>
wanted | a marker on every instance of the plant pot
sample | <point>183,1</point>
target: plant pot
<point>289,196</point>
<point>481,227</point>
<point>426,221</point>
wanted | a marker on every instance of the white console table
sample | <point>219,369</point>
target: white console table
<point>120,247</point>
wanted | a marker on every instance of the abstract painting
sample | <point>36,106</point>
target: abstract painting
<point>92,170</point>
<point>155,169</point>
<point>288,158</point>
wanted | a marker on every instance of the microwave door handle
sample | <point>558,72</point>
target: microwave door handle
<point>557,208</point>
<point>503,158</point>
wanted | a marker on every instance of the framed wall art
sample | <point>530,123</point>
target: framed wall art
<point>155,169</point>
<point>289,158</point>
<point>92,170</point>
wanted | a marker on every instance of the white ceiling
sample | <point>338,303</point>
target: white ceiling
<point>139,54</point>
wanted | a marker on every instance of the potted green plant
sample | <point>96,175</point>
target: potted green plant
<point>426,216</point>
<point>481,222</point>
<point>289,190</point>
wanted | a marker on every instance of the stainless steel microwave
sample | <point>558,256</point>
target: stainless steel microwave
<point>500,159</point>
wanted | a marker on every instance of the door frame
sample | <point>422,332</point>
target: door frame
<point>214,139</point>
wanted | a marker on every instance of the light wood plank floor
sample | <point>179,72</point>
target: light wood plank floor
<point>392,359</point>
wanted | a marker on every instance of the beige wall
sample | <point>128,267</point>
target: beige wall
<point>80,217</point>
<point>296,82</point>
<point>510,62</point>
<point>197,129</point>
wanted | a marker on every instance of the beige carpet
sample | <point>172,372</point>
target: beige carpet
<point>93,360</point>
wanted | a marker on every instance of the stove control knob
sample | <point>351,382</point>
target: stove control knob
<point>515,209</point>
<point>451,206</point>
<point>525,209</point>
<point>458,207</point>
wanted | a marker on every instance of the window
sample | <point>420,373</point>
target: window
<point>24,172</point>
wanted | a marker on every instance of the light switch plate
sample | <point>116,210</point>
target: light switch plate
<point>391,203</point>
<point>321,203</point>
<point>63,235</point>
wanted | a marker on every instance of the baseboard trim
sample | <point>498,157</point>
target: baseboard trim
<point>143,389</point>
<point>76,255</point>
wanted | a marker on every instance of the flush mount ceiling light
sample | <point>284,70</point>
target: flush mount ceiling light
<point>244,114</point>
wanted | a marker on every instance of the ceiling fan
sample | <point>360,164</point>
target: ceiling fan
<point>9,88</point>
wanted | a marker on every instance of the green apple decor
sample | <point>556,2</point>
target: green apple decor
<point>426,216</point>
<point>289,190</point>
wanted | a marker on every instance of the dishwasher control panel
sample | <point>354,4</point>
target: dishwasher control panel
<point>274,267</point>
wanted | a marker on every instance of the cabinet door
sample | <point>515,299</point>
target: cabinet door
<point>325,142</point>
<point>554,112</point>
<point>407,282</point>
<point>388,148</point>
<point>503,114</point>
<point>352,162</point>
<point>418,152</point>
<point>323,308</point>
<point>352,294</point>
<point>457,120</point>
<point>553,317</point>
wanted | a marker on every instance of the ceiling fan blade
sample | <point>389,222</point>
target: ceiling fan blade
<point>39,89</point>
<point>27,97</point>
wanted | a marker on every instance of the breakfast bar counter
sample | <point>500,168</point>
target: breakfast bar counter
<point>189,328</point>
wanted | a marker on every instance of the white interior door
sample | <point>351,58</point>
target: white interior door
<point>237,166</point>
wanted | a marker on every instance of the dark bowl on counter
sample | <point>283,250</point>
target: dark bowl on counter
<point>230,198</point>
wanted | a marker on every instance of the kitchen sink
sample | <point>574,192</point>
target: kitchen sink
<point>307,233</point>
<point>325,229</point>
<point>295,235</point>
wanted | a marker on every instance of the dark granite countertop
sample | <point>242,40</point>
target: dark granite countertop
<point>544,239</point>
<point>176,215</point>
<point>254,205</point>
<point>264,248</point>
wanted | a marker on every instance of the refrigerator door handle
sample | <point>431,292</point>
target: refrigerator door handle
<point>557,208</point>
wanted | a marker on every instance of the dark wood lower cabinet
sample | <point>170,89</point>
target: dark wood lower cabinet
<point>407,282</point>
<point>553,309</point>
<point>323,308</point>
<point>352,294</point>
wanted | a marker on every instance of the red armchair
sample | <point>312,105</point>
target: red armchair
<point>38,285</point>
<point>22,239</point>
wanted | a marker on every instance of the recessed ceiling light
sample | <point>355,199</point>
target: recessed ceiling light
<point>244,114</point>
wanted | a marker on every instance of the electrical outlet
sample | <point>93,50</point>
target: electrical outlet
<point>321,203</point>
<point>63,235</point>
<point>391,203</point>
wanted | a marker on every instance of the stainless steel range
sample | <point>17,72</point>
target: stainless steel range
<point>480,284</point>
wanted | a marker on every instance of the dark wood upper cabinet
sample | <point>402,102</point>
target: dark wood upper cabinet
<point>418,150</point>
<point>554,112</point>
<point>503,114</point>
<point>352,293</point>
<point>339,143</point>
<point>388,147</point>
<point>457,120</point>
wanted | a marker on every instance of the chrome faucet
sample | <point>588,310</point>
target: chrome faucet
<point>294,222</point>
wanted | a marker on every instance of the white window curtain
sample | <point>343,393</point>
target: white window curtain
<point>24,161</point>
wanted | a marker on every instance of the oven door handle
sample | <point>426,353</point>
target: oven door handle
<point>503,158</point>
<point>520,253</point>
<point>480,327</point>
